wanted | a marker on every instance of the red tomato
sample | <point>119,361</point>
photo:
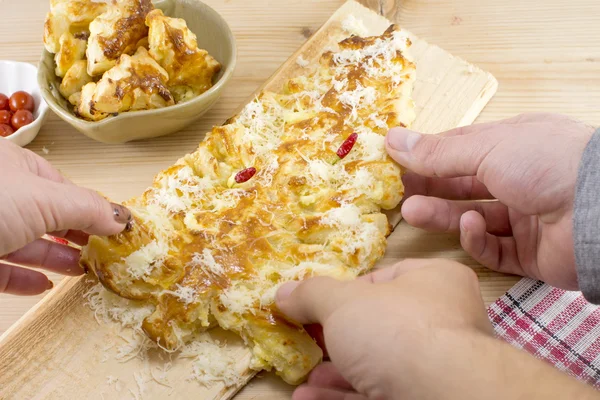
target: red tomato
<point>21,101</point>
<point>21,118</point>
<point>6,130</point>
<point>3,102</point>
<point>5,116</point>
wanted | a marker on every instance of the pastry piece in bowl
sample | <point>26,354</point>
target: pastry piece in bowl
<point>117,31</point>
<point>136,83</point>
<point>73,81</point>
<point>191,70</point>
<point>70,16</point>
<point>72,49</point>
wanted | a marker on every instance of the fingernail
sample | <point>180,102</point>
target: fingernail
<point>401,139</point>
<point>50,285</point>
<point>286,289</point>
<point>122,214</point>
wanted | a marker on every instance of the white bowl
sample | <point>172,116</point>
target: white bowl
<point>15,76</point>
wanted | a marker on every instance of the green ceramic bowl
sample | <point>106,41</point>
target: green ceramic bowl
<point>213,35</point>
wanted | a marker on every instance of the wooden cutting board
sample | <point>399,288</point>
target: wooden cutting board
<point>58,349</point>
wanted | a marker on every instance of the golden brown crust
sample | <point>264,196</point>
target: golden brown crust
<point>206,247</point>
<point>70,16</point>
<point>191,70</point>
<point>116,32</point>
<point>127,31</point>
<point>135,83</point>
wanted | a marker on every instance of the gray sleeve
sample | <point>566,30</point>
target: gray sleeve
<point>586,221</point>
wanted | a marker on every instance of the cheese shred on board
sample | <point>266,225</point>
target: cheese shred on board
<point>291,187</point>
<point>211,360</point>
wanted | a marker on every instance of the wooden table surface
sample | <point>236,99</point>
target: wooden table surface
<point>545,55</point>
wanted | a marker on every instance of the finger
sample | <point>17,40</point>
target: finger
<point>326,375</point>
<point>42,168</point>
<point>21,281</point>
<point>75,208</point>
<point>313,300</point>
<point>391,273</point>
<point>497,253</point>
<point>439,215</point>
<point>445,156</point>
<point>306,392</point>
<point>462,188</point>
<point>47,255</point>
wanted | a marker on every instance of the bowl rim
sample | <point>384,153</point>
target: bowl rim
<point>52,102</point>
<point>42,107</point>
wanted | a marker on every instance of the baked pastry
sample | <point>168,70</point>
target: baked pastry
<point>136,83</point>
<point>72,49</point>
<point>115,32</point>
<point>291,187</point>
<point>70,16</point>
<point>191,70</point>
<point>73,81</point>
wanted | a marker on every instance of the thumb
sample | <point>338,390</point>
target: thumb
<point>72,207</point>
<point>314,300</point>
<point>454,153</point>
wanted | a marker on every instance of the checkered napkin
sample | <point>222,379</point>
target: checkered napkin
<point>555,325</point>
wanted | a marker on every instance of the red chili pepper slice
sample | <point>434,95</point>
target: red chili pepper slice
<point>58,240</point>
<point>245,175</point>
<point>347,145</point>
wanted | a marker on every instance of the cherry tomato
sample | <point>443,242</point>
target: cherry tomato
<point>21,118</point>
<point>5,117</point>
<point>21,101</point>
<point>6,130</point>
<point>3,102</point>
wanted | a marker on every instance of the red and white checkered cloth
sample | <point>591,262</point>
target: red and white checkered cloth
<point>555,325</point>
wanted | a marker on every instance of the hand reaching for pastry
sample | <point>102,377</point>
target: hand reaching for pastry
<point>527,166</point>
<point>36,199</point>
<point>417,330</point>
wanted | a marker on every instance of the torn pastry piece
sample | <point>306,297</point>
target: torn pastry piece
<point>135,83</point>
<point>71,50</point>
<point>115,32</point>
<point>143,42</point>
<point>73,81</point>
<point>70,16</point>
<point>211,243</point>
<point>191,70</point>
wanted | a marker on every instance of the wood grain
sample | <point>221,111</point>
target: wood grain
<point>546,57</point>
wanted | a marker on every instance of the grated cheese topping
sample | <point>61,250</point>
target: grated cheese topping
<point>141,262</point>
<point>211,361</point>
<point>302,62</point>
<point>358,98</point>
<point>185,294</point>
<point>222,246</point>
<point>355,26</point>
<point>207,262</point>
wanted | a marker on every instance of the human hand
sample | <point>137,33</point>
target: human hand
<point>36,199</point>
<point>417,330</point>
<point>528,165</point>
